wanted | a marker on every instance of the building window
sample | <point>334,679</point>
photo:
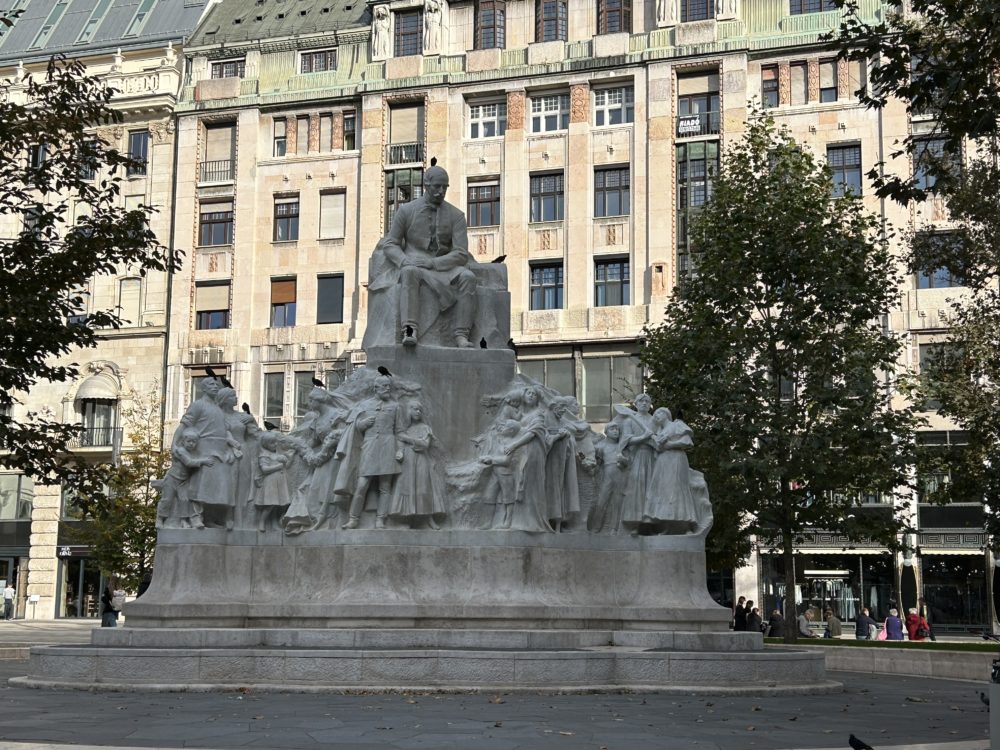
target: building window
<point>611,282</point>
<point>130,302</point>
<point>549,113</point>
<point>350,129</point>
<point>929,159</point>
<point>845,163</point>
<point>401,186</point>
<point>89,160</point>
<point>698,113</point>
<point>99,419</point>
<point>484,203</point>
<point>614,16</point>
<point>798,7</point>
<point>332,214</point>
<point>286,219</point>
<point>937,278</point>
<point>211,303</point>
<point>799,83</point>
<point>282,303</point>
<point>406,135</point>
<point>138,151</point>
<point>100,9</point>
<point>546,286</point>
<point>697,166</point>
<point>50,24</point>
<point>827,81</point>
<point>303,387</point>
<point>491,16</point>
<point>487,120</point>
<point>318,62</point>
<point>611,191</point>
<point>769,86</point>
<point>17,497</point>
<point>37,155</point>
<point>550,20</point>
<point>326,132</point>
<point>229,69</point>
<point>409,33</point>
<point>614,106</point>
<point>929,355</point>
<point>274,396</point>
<point>217,158</point>
<point>547,197</point>
<point>608,381</point>
<point>557,374</point>
<point>330,298</point>
<point>302,134</point>
<point>697,10</point>
<point>216,224</point>
<point>280,136</point>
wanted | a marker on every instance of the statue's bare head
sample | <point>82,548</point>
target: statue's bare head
<point>435,184</point>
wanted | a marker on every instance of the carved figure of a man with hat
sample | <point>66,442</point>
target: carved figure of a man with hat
<point>426,253</point>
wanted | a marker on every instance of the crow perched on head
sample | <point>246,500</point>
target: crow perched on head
<point>270,426</point>
<point>246,407</point>
<point>858,744</point>
<point>384,371</point>
<point>318,383</point>
<point>225,381</point>
<point>511,345</point>
<point>210,372</point>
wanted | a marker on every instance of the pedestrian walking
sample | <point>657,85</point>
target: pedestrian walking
<point>917,628</point>
<point>9,594</point>
<point>109,615</point>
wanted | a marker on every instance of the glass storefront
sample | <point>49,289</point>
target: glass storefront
<point>80,587</point>
<point>956,590</point>
<point>844,583</point>
<point>721,587</point>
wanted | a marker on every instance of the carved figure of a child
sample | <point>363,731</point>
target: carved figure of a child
<point>502,487</point>
<point>175,488</point>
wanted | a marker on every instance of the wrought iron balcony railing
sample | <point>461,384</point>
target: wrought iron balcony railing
<point>220,170</point>
<point>404,153</point>
<point>701,123</point>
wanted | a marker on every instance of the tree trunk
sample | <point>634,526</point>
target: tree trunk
<point>791,613</point>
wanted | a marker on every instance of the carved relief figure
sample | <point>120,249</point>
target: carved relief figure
<point>175,505</point>
<point>501,489</point>
<point>636,456</point>
<point>612,480</point>
<point>417,496</point>
<point>666,12</point>
<point>530,470</point>
<point>562,487</point>
<point>380,32</point>
<point>244,430</point>
<point>369,452</point>
<point>432,25</point>
<point>270,487</point>
<point>669,502</point>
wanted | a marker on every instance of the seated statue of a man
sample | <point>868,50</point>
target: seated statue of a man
<point>426,254</point>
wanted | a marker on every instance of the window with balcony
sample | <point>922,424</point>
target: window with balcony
<point>611,282</point>
<point>350,131</point>
<point>401,186</point>
<point>229,69</point>
<point>551,20</point>
<point>697,167</point>
<point>614,106</point>
<point>697,10</point>
<point>769,86</point>
<point>547,202</point>
<point>609,380</point>
<point>549,113</point>
<point>279,137</point>
<point>409,33</point>
<point>845,163</point>
<point>614,16</point>
<point>17,497</point>
<point>330,298</point>
<point>318,61</point>
<point>282,303</point>
<point>332,214</point>
<point>491,21</point>
<point>211,302</point>
<point>217,163</point>
<point>138,151</point>
<point>487,120</point>
<point>546,286</point>
<point>557,373</point>
<point>274,397</point>
<point>827,81</point>
<point>697,105</point>
<point>406,135</point>
<point>799,7</point>
<point>484,203</point>
<point>611,191</point>
<point>216,224</point>
<point>286,218</point>
<point>99,418</point>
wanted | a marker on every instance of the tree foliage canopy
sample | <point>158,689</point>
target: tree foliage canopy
<point>776,353</point>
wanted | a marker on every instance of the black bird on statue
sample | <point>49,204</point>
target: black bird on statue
<point>210,372</point>
<point>384,371</point>
<point>858,744</point>
<point>246,407</point>
<point>269,426</point>
<point>511,345</point>
<point>225,381</point>
<point>501,259</point>
<point>318,383</point>
<point>482,343</point>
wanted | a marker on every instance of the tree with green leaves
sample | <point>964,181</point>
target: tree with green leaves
<point>775,351</point>
<point>119,525</point>
<point>59,190</point>
<point>940,57</point>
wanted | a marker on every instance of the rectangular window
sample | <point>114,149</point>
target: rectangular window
<point>211,303</point>
<point>608,381</point>
<point>330,298</point>
<point>229,69</point>
<point>274,396</point>
<point>546,286</point>
<point>697,113</point>
<point>280,136</point>
<point>17,495</point>
<point>302,135</point>
<point>557,374</point>
<point>845,162</point>
<point>769,86</point>
<point>697,10</point>
<point>332,214</point>
<point>798,7</point>
<point>138,151</point>
<point>217,159</point>
<point>827,81</point>
<point>409,33</point>
<point>937,278</point>
<point>611,282</point>
<point>550,20</point>
<point>929,355</point>
<point>614,16</point>
<point>286,219</point>
<point>491,17</point>
<point>282,303</point>
<point>799,83</point>
<point>614,106</point>
<point>216,224</point>
<point>547,197</point>
<point>929,160</point>
<point>401,186</point>
<point>303,387</point>
<point>697,167</point>
<point>318,62</point>
<point>857,77</point>
<point>350,130</point>
<point>89,159</point>
<point>484,203</point>
<point>549,113</point>
<point>325,133</point>
<point>487,120</point>
<point>37,155</point>
<point>130,302</point>
<point>611,191</point>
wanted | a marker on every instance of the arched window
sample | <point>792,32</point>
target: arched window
<point>97,400</point>
<point>491,17</point>
<point>550,20</point>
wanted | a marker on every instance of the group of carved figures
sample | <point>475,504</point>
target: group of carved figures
<point>367,445</point>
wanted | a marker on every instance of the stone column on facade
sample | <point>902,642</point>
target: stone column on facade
<point>42,567</point>
<point>514,184</point>
<point>372,118</point>
<point>784,84</point>
<point>660,156</point>
<point>814,80</point>
<point>579,174</point>
<point>291,135</point>
<point>314,145</point>
<point>338,131</point>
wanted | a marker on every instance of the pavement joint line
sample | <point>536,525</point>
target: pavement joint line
<point>974,745</point>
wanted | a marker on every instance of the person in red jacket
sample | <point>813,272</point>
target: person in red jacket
<point>916,626</point>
